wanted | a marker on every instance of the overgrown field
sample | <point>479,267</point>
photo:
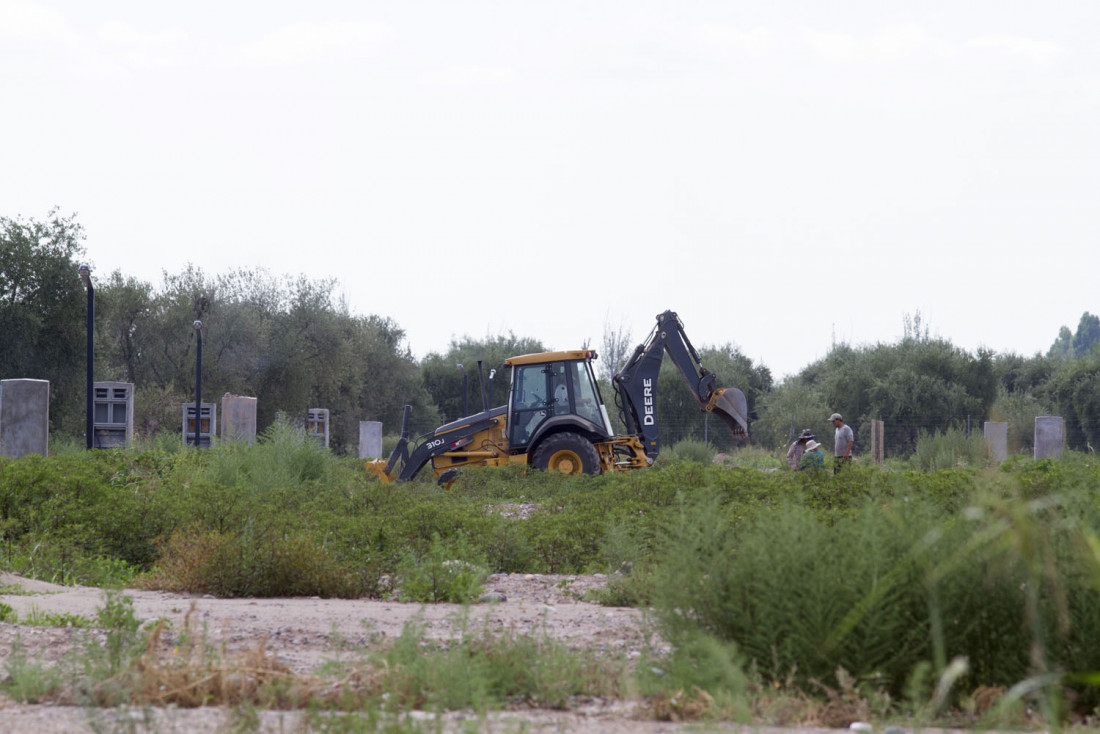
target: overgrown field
<point>959,593</point>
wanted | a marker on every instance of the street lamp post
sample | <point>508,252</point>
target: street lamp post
<point>198,381</point>
<point>89,423</point>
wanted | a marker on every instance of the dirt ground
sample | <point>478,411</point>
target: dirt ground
<point>301,633</point>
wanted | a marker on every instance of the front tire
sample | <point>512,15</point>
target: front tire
<point>567,453</point>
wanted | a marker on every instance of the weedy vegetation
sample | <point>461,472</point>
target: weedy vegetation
<point>941,591</point>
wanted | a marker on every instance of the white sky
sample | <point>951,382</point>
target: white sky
<point>780,173</point>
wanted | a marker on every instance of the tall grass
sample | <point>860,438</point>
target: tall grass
<point>952,448</point>
<point>925,586</point>
<point>897,592</point>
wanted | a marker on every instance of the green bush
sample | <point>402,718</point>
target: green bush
<point>689,450</point>
<point>952,448</point>
<point>445,573</point>
<point>260,561</point>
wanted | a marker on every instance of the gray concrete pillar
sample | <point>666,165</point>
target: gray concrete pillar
<point>996,435</point>
<point>238,419</point>
<point>1050,436</point>
<point>24,417</point>
<point>370,439</point>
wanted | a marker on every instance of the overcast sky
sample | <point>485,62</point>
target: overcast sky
<point>784,175</point>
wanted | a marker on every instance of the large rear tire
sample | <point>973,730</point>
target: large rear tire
<point>568,453</point>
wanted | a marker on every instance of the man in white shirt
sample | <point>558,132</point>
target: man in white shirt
<point>843,440</point>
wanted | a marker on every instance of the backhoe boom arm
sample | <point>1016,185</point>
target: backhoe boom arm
<point>636,384</point>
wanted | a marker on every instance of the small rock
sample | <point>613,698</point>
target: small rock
<point>492,597</point>
<point>860,726</point>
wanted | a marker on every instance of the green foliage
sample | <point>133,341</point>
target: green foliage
<point>485,670</point>
<point>678,408</point>
<point>1019,410</point>
<point>29,678</point>
<point>949,449</point>
<point>43,310</point>
<point>287,340</point>
<point>962,567</point>
<point>689,450</point>
<point>451,573</point>
<point>259,561</point>
<point>1074,392</point>
<point>1078,343</point>
<point>786,410</point>
<point>913,386</point>
<point>444,380</point>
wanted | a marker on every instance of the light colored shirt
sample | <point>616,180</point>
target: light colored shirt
<point>843,440</point>
<point>794,453</point>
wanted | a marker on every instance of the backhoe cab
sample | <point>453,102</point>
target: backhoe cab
<point>556,420</point>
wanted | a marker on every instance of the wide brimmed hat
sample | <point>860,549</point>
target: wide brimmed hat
<point>812,444</point>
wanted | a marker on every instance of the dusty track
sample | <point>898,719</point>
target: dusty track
<point>302,633</point>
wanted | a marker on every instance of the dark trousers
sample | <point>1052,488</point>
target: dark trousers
<point>840,463</point>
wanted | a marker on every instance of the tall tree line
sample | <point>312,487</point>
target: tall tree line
<point>290,342</point>
<point>285,340</point>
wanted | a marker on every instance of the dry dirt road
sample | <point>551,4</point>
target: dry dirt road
<point>301,634</point>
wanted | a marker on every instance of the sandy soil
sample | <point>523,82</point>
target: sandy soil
<point>302,633</point>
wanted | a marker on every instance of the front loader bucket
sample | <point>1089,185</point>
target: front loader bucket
<point>730,405</point>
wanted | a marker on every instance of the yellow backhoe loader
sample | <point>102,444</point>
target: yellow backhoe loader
<point>556,420</point>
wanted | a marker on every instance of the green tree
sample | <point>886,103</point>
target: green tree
<point>1074,393</point>
<point>444,380</point>
<point>43,311</point>
<point>791,405</point>
<point>678,409</point>
<point>1079,343</point>
<point>914,386</point>
<point>1087,335</point>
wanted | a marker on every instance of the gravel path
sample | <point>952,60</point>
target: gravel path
<point>302,633</point>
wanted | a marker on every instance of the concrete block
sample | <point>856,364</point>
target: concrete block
<point>1050,436</point>
<point>370,439</point>
<point>238,419</point>
<point>996,435</point>
<point>24,417</point>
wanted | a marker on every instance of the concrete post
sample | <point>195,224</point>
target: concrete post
<point>878,435</point>
<point>24,418</point>
<point>996,435</point>
<point>238,419</point>
<point>1049,436</point>
<point>370,439</point>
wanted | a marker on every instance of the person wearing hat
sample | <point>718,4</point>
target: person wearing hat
<point>812,458</point>
<point>842,441</point>
<point>794,453</point>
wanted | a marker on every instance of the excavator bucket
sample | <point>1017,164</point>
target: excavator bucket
<point>730,405</point>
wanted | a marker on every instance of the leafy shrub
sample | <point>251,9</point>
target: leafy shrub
<point>445,573</point>
<point>689,450</point>
<point>949,449</point>
<point>260,561</point>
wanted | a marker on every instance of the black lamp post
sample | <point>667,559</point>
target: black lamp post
<point>198,381</point>
<point>89,424</point>
<point>465,392</point>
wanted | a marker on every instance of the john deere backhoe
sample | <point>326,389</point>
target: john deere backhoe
<point>556,419</point>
